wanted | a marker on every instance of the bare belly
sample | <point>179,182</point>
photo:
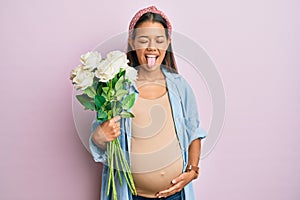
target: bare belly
<point>148,184</point>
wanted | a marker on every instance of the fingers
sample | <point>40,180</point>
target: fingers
<point>116,118</point>
<point>172,190</point>
<point>107,131</point>
<point>112,128</point>
<point>179,182</point>
<point>177,179</point>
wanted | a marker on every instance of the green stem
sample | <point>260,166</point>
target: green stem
<point>114,192</point>
<point>109,97</point>
<point>109,165</point>
<point>124,168</point>
<point>116,154</point>
<point>117,161</point>
<point>127,171</point>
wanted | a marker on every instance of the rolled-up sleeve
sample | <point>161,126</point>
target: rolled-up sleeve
<point>191,115</point>
<point>99,155</point>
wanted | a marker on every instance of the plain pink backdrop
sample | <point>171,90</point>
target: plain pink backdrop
<point>255,45</point>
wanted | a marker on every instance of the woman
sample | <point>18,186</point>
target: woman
<point>163,140</point>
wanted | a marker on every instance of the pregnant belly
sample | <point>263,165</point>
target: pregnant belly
<point>151,182</point>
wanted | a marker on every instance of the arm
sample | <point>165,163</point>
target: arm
<point>194,155</point>
<point>185,178</point>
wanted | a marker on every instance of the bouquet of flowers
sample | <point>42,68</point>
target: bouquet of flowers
<point>104,83</point>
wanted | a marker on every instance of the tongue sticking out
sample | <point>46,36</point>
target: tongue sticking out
<point>151,61</point>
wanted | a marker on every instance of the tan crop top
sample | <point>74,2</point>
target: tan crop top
<point>155,151</point>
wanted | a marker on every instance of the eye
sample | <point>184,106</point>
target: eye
<point>160,41</point>
<point>143,41</point>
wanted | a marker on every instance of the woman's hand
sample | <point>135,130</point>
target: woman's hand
<point>178,184</point>
<point>106,132</point>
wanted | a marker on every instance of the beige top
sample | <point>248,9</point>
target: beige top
<point>155,151</point>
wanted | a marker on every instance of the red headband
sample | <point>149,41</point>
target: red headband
<point>151,9</point>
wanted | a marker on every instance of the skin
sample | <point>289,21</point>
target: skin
<point>186,177</point>
<point>150,40</point>
<point>106,132</point>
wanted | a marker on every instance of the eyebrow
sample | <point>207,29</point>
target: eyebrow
<point>144,36</point>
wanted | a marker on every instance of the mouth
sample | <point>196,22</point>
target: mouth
<point>151,60</point>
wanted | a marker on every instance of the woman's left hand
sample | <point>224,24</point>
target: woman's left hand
<point>178,184</point>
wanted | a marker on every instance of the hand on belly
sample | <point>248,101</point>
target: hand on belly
<point>148,184</point>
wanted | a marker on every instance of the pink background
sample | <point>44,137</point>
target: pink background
<point>254,44</point>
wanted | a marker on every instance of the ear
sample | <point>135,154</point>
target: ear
<point>130,42</point>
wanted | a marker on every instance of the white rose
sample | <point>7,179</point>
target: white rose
<point>118,58</point>
<point>111,66</point>
<point>131,74</point>
<point>105,71</point>
<point>75,71</point>
<point>104,77</point>
<point>90,60</point>
<point>83,79</point>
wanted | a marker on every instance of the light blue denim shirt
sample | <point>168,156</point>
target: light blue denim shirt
<point>187,126</point>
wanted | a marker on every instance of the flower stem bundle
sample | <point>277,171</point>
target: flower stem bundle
<point>105,84</point>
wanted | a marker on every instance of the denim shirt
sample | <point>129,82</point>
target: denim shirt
<point>187,126</point>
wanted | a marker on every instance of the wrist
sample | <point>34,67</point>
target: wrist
<point>194,170</point>
<point>193,175</point>
<point>98,141</point>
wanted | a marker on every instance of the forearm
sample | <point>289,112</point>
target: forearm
<point>194,152</point>
<point>185,178</point>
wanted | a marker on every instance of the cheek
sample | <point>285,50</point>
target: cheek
<point>140,54</point>
<point>162,54</point>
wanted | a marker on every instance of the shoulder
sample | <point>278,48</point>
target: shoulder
<point>175,77</point>
<point>178,80</point>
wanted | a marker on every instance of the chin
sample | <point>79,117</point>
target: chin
<point>150,69</point>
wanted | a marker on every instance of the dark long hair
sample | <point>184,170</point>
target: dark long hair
<point>169,59</point>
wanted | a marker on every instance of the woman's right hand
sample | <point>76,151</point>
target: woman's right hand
<point>106,132</point>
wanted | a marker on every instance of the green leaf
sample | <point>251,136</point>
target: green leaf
<point>119,84</point>
<point>86,101</point>
<point>104,95</point>
<point>83,98</point>
<point>128,101</point>
<point>126,114</point>
<point>107,106</point>
<point>118,107</point>
<point>90,91</point>
<point>121,73</point>
<point>101,115</point>
<point>112,93</point>
<point>98,88</point>
<point>99,101</point>
<point>114,81</point>
<point>109,114</point>
<point>105,89</point>
<point>120,94</point>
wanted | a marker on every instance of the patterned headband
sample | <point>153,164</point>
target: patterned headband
<point>151,9</point>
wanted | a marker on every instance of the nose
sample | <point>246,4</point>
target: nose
<point>151,46</point>
<point>151,49</point>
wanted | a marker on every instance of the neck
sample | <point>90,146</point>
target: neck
<point>150,75</point>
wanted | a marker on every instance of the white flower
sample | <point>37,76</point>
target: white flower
<point>131,74</point>
<point>90,60</point>
<point>111,66</point>
<point>83,79</point>
<point>118,58</point>
<point>75,71</point>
